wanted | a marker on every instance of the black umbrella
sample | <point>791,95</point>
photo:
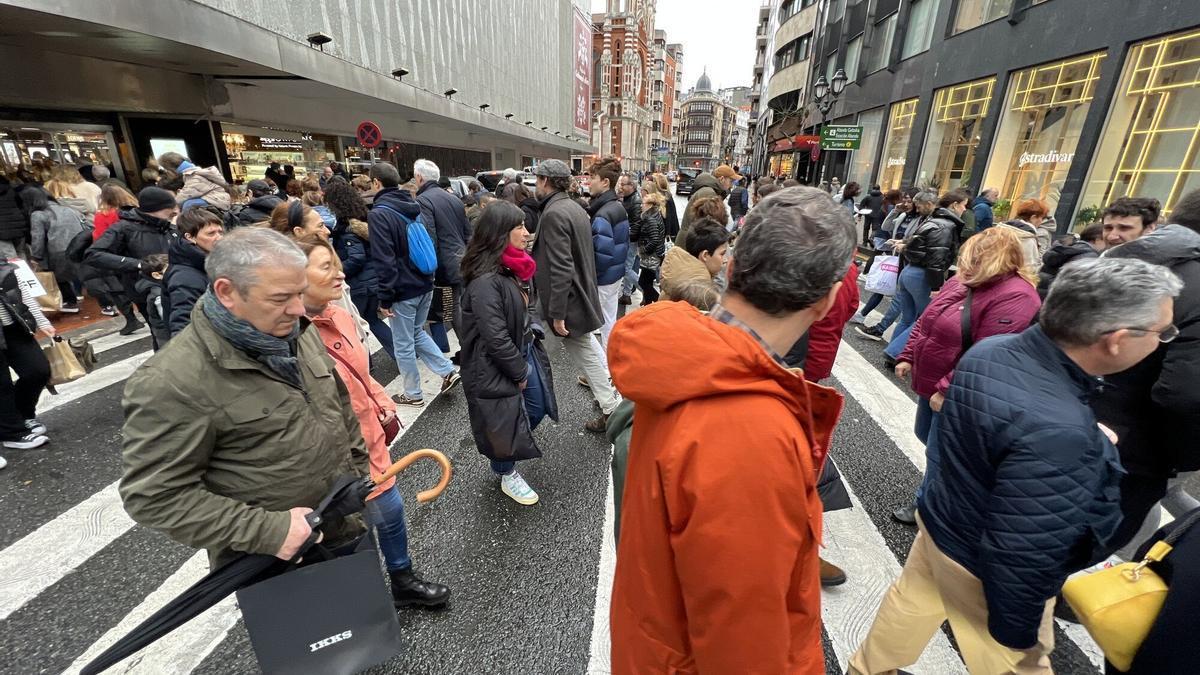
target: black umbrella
<point>347,496</point>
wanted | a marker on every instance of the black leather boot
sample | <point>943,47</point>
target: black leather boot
<point>409,591</point>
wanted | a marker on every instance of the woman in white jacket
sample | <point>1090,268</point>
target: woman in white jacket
<point>198,183</point>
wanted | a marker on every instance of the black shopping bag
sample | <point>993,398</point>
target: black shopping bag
<point>331,617</point>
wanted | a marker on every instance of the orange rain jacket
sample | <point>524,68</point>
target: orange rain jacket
<point>717,568</point>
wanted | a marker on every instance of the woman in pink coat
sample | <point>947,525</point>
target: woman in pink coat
<point>375,412</point>
<point>994,293</point>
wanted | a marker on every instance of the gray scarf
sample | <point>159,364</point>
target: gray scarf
<point>277,354</point>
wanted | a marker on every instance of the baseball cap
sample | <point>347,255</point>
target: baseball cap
<point>259,187</point>
<point>726,171</point>
<point>553,168</point>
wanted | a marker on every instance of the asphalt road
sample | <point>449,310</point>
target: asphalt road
<point>76,574</point>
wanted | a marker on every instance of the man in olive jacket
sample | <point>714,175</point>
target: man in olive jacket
<point>566,283</point>
<point>238,427</point>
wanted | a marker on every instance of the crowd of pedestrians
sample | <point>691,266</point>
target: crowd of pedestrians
<point>1057,379</point>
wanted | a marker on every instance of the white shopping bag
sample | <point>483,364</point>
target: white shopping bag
<point>26,278</point>
<point>882,277</point>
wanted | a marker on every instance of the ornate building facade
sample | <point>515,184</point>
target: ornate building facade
<point>623,113</point>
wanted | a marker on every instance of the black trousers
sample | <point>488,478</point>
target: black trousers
<point>18,400</point>
<point>646,282</point>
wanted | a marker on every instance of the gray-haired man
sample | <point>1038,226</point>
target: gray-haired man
<point>1022,485</point>
<point>238,427</point>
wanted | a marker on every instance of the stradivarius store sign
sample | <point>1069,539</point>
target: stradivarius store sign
<point>1052,157</point>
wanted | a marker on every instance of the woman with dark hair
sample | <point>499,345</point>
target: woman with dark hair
<point>849,192</point>
<point>294,219</point>
<point>352,243</point>
<point>505,372</point>
<point>376,415</point>
<point>294,190</point>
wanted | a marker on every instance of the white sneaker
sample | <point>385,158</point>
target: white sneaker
<point>3,462</point>
<point>27,442</point>
<point>514,486</point>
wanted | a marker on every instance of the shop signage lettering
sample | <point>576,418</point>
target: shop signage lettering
<point>1052,157</point>
<point>280,143</point>
<point>582,48</point>
<point>835,137</point>
<point>895,161</point>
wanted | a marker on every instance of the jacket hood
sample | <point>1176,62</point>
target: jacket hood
<point>264,203</point>
<point>1061,254</point>
<point>941,212</point>
<point>720,360</point>
<point>679,268</point>
<point>399,200</point>
<point>136,215</point>
<point>707,180</point>
<point>74,203</point>
<point>183,252</point>
<point>1168,245</point>
<point>359,229</point>
<point>981,200</point>
<point>1024,230</point>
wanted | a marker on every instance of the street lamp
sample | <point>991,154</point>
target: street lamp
<point>826,95</point>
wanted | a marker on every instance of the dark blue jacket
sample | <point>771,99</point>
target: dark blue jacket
<point>183,284</point>
<point>983,214</point>
<point>351,241</point>
<point>1025,486</point>
<point>610,237</point>
<point>396,278</point>
<point>446,220</point>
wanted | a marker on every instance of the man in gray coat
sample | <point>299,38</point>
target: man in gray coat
<point>566,283</point>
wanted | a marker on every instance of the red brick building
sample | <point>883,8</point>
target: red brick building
<point>622,105</point>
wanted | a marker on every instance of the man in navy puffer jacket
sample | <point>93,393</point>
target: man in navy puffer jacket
<point>610,238</point>
<point>1026,488</point>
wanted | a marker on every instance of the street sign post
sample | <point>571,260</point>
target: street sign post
<point>841,137</point>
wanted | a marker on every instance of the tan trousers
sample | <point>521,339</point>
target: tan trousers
<point>931,589</point>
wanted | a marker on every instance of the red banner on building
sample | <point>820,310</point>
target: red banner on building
<point>583,75</point>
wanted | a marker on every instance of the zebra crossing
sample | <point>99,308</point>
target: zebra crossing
<point>76,573</point>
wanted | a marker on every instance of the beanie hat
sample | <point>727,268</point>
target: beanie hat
<point>152,199</point>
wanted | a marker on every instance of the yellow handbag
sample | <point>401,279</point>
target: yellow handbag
<point>1120,604</point>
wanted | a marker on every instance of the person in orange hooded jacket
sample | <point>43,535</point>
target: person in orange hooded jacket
<point>717,566</point>
<point>374,410</point>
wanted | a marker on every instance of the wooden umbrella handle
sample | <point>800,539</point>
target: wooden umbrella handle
<point>408,460</point>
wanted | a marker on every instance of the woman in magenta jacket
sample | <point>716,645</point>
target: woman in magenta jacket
<point>993,293</point>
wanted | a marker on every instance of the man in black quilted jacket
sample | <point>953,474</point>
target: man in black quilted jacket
<point>1022,486</point>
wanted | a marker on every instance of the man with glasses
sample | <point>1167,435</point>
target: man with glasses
<point>1154,407</point>
<point>1025,488</point>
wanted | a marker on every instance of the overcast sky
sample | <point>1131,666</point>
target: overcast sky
<point>718,34</point>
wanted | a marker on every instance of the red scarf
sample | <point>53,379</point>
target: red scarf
<point>518,262</point>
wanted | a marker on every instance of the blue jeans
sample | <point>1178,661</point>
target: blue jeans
<point>890,316</point>
<point>632,270</point>
<point>386,513</point>
<point>872,303</point>
<point>912,294</point>
<point>409,340</point>
<point>367,304</point>
<point>932,421</point>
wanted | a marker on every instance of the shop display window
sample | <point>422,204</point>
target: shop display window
<point>953,136</point>
<point>1040,126</point>
<point>862,163</point>
<point>34,148</point>
<point>895,146</point>
<point>1151,143</point>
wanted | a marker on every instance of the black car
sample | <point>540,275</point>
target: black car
<point>683,183</point>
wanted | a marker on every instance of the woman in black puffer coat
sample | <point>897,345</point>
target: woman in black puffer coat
<point>651,235</point>
<point>505,372</point>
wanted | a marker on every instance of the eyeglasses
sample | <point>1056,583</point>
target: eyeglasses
<point>1164,335</point>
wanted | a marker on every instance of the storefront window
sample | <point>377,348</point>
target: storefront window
<point>862,164</point>
<point>1040,126</point>
<point>32,147</point>
<point>953,136</point>
<point>921,17</point>
<point>1151,143</point>
<point>782,164</point>
<point>895,147</point>
<point>251,151</point>
<point>881,48</point>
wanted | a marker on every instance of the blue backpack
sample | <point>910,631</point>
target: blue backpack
<point>420,246</point>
